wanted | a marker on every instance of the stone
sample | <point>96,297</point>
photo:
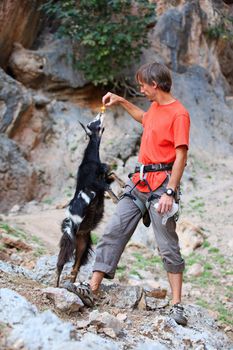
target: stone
<point>123,296</point>
<point>45,269</point>
<point>105,320</point>
<point>156,293</point>
<point>121,317</point>
<point>229,101</point>
<point>90,341</point>
<point>46,67</point>
<point>15,102</point>
<point>50,332</point>
<point>82,324</point>
<point>142,304</point>
<point>17,176</point>
<point>16,270</point>
<point>11,242</point>
<point>15,209</point>
<point>15,309</point>
<point>109,332</point>
<point>190,236</point>
<point>155,304</point>
<point>195,270</point>
<point>63,300</point>
<point>151,345</point>
<point>20,21</point>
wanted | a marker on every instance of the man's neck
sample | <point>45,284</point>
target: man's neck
<point>164,98</point>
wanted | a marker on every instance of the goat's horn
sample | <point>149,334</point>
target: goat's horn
<point>83,126</point>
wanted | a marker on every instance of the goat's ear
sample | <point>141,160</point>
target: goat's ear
<point>86,131</point>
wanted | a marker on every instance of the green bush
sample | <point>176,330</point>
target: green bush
<point>221,30</point>
<point>108,35</point>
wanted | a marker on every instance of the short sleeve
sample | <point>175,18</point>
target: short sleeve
<point>181,130</point>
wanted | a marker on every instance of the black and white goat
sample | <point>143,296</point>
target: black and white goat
<point>86,208</point>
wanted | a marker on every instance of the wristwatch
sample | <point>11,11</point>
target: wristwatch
<point>170,192</point>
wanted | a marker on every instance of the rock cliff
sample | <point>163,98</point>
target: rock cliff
<point>20,22</point>
<point>42,100</point>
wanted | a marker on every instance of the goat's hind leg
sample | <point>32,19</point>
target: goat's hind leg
<point>59,271</point>
<point>66,246</point>
<point>82,251</point>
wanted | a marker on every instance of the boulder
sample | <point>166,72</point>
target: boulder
<point>49,68</point>
<point>63,300</point>
<point>17,177</point>
<point>20,21</point>
<point>14,308</point>
<point>15,101</point>
<point>122,297</point>
<point>195,270</point>
<point>105,320</point>
<point>178,38</point>
<point>190,237</point>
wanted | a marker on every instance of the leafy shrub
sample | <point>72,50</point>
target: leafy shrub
<point>108,34</point>
<point>221,30</point>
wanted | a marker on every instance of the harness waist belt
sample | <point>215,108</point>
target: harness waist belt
<point>154,167</point>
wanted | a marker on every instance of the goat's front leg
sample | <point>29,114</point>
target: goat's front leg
<point>114,177</point>
<point>81,253</point>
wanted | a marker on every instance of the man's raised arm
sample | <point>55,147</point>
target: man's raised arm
<point>111,99</point>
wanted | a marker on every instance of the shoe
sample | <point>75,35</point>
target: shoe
<point>83,291</point>
<point>177,313</point>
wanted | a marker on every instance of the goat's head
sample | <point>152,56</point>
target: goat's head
<point>96,126</point>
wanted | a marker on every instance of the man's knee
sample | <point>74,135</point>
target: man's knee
<point>172,261</point>
<point>173,267</point>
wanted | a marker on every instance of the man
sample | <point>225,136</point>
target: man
<point>164,142</point>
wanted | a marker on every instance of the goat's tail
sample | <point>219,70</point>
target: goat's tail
<point>67,245</point>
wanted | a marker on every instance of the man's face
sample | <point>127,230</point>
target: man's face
<point>148,90</point>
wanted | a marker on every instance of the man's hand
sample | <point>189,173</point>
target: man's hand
<point>110,99</point>
<point>165,204</point>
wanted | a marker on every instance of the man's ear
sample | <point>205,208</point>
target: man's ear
<point>154,84</point>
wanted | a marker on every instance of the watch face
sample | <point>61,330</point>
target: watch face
<point>169,192</point>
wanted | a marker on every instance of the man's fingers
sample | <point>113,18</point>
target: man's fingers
<point>105,98</point>
<point>164,206</point>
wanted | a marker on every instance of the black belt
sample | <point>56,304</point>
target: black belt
<point>154,167</point>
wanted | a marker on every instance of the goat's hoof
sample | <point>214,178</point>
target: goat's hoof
<point>115,201</point>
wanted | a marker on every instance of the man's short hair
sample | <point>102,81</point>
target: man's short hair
<point>155,72</point>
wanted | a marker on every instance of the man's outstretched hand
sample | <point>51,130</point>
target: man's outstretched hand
<point>110,99</point>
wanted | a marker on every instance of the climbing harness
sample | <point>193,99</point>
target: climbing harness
<point>152,168</point>
<point>142,170</point>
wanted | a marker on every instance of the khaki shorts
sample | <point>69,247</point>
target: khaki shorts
<point>122,226</point>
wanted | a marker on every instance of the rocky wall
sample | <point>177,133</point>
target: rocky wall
<point>19,22</point>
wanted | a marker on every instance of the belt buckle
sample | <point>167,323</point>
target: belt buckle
<point>142,172</point>
<point>160,166</point>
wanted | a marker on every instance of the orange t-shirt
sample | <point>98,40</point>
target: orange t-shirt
<point>165,128</point>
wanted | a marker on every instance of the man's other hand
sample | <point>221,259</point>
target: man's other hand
<point>165,204</point>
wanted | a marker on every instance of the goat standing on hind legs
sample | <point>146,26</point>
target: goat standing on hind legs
<point>86,208</point>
